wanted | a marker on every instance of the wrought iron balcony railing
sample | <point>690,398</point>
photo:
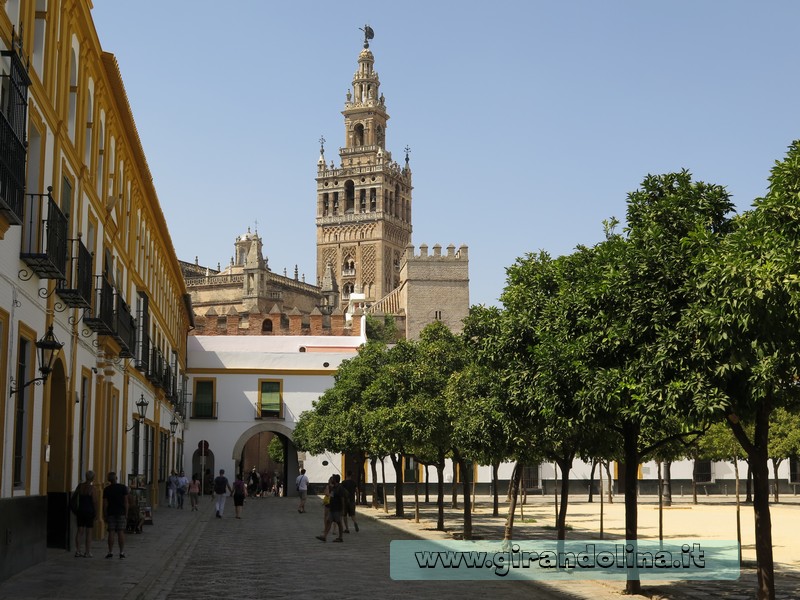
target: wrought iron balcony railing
<point>44,238</point>
<point>143,352</point>
<point>124,327</point>
<point>13,120</point>
<point>203,410</point>
<point>157,364</point>
<point>76,290</point>
<point>100,317</point>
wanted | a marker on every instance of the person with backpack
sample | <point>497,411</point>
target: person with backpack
<point>221,487</point>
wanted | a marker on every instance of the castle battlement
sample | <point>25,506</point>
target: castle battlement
<point>462,254</point>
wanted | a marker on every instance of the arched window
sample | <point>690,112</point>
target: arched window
<point>350,196</point>
<point>72,102</point>
<point>347,289</point>
<point>266,326</point>
<point>349,267</point>
<point>358,135</point>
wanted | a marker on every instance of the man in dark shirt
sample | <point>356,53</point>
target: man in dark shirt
<point>349,484</point>
<point>115,513</point>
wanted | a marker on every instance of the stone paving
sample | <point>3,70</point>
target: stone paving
<point>272,552</point>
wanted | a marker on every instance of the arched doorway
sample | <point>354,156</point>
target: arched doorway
<point>57,476</point>
<point>203,466</point>
<point>251,450</point>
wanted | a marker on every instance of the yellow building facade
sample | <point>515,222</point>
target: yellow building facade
<point>94,313</point>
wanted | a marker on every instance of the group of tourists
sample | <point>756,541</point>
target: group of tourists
<point>338,505</point>
<point>85,503</point>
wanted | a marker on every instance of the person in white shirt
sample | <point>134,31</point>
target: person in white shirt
<point>301,483</point>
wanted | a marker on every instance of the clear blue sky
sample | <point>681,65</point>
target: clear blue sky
<point>529,122</point>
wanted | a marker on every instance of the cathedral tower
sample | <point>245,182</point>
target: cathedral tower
<point>364,204</point>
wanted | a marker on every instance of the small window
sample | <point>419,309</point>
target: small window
<point>437,314</point>
<point>794,469</point>
<point>410,469</point>
<point>530,477</point>
<point>702,471</point>
<point>270,402</point>
<point>204,405</point>
<point>266,326</point>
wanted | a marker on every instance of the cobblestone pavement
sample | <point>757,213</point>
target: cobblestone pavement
<point>272,552</point>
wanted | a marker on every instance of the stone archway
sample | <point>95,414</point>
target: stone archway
<point>291,467</point>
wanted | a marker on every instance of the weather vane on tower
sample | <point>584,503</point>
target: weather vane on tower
<point>368,34</point>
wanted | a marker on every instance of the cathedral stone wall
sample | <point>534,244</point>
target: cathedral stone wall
<point>435,288</point>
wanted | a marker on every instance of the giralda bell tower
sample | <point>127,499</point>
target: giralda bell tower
<point>364,204</point>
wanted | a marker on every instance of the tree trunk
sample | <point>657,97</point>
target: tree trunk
<point>668,483</point>
<point>455,485</point>
<point>397,463</point>
<point>513,493</point>
<point>630,442</point>
<point>694,482</point>
<point>496,499</point>
<point>374,467</point>
<point>738,510</point>
<point>561,524</point>
<point>660,506</point>
<point>749,485</point>
<point>440,494</point>
<point>416,493</point>
<point>758,462</point>
<point>776,462</point>
<point>591,480</point>
<point>465,483</point>
<point>765,566</point>
<point>610,482</point>
<point>427,484</point>
<point>385,491</point>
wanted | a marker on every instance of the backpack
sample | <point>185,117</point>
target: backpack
<point>75,500</point>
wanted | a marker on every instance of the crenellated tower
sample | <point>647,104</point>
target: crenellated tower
<point>364,204</point>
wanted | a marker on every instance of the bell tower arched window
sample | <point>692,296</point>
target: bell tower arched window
<point>350,196</point>
<point>358,135</point>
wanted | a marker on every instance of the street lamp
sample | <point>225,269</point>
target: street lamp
<point>173,425</point>
<point>142,405</point>
<point>48,347</point>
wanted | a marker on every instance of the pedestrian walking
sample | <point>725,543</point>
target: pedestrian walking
<point>301,484</point>
<point>221,488</point>
<point>115,512</point>
<point>333,508</point>
<point>239,492</point>
<point>172,489</point>
<point>351,487</point>
<point>182,488</point>
<point>254,484</point>
<point>88,506</point>
<point>194,490</point>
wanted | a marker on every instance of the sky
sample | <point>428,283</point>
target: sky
<point>528,122</point>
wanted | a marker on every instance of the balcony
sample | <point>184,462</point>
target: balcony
<point>143,349</point>
<point>76,290</point>
<point>124,332</point>
<point>100,318</point>
<point>203,410</point>
<point>13,119</point>
<point>44,239</point>
<point>157,367</point>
